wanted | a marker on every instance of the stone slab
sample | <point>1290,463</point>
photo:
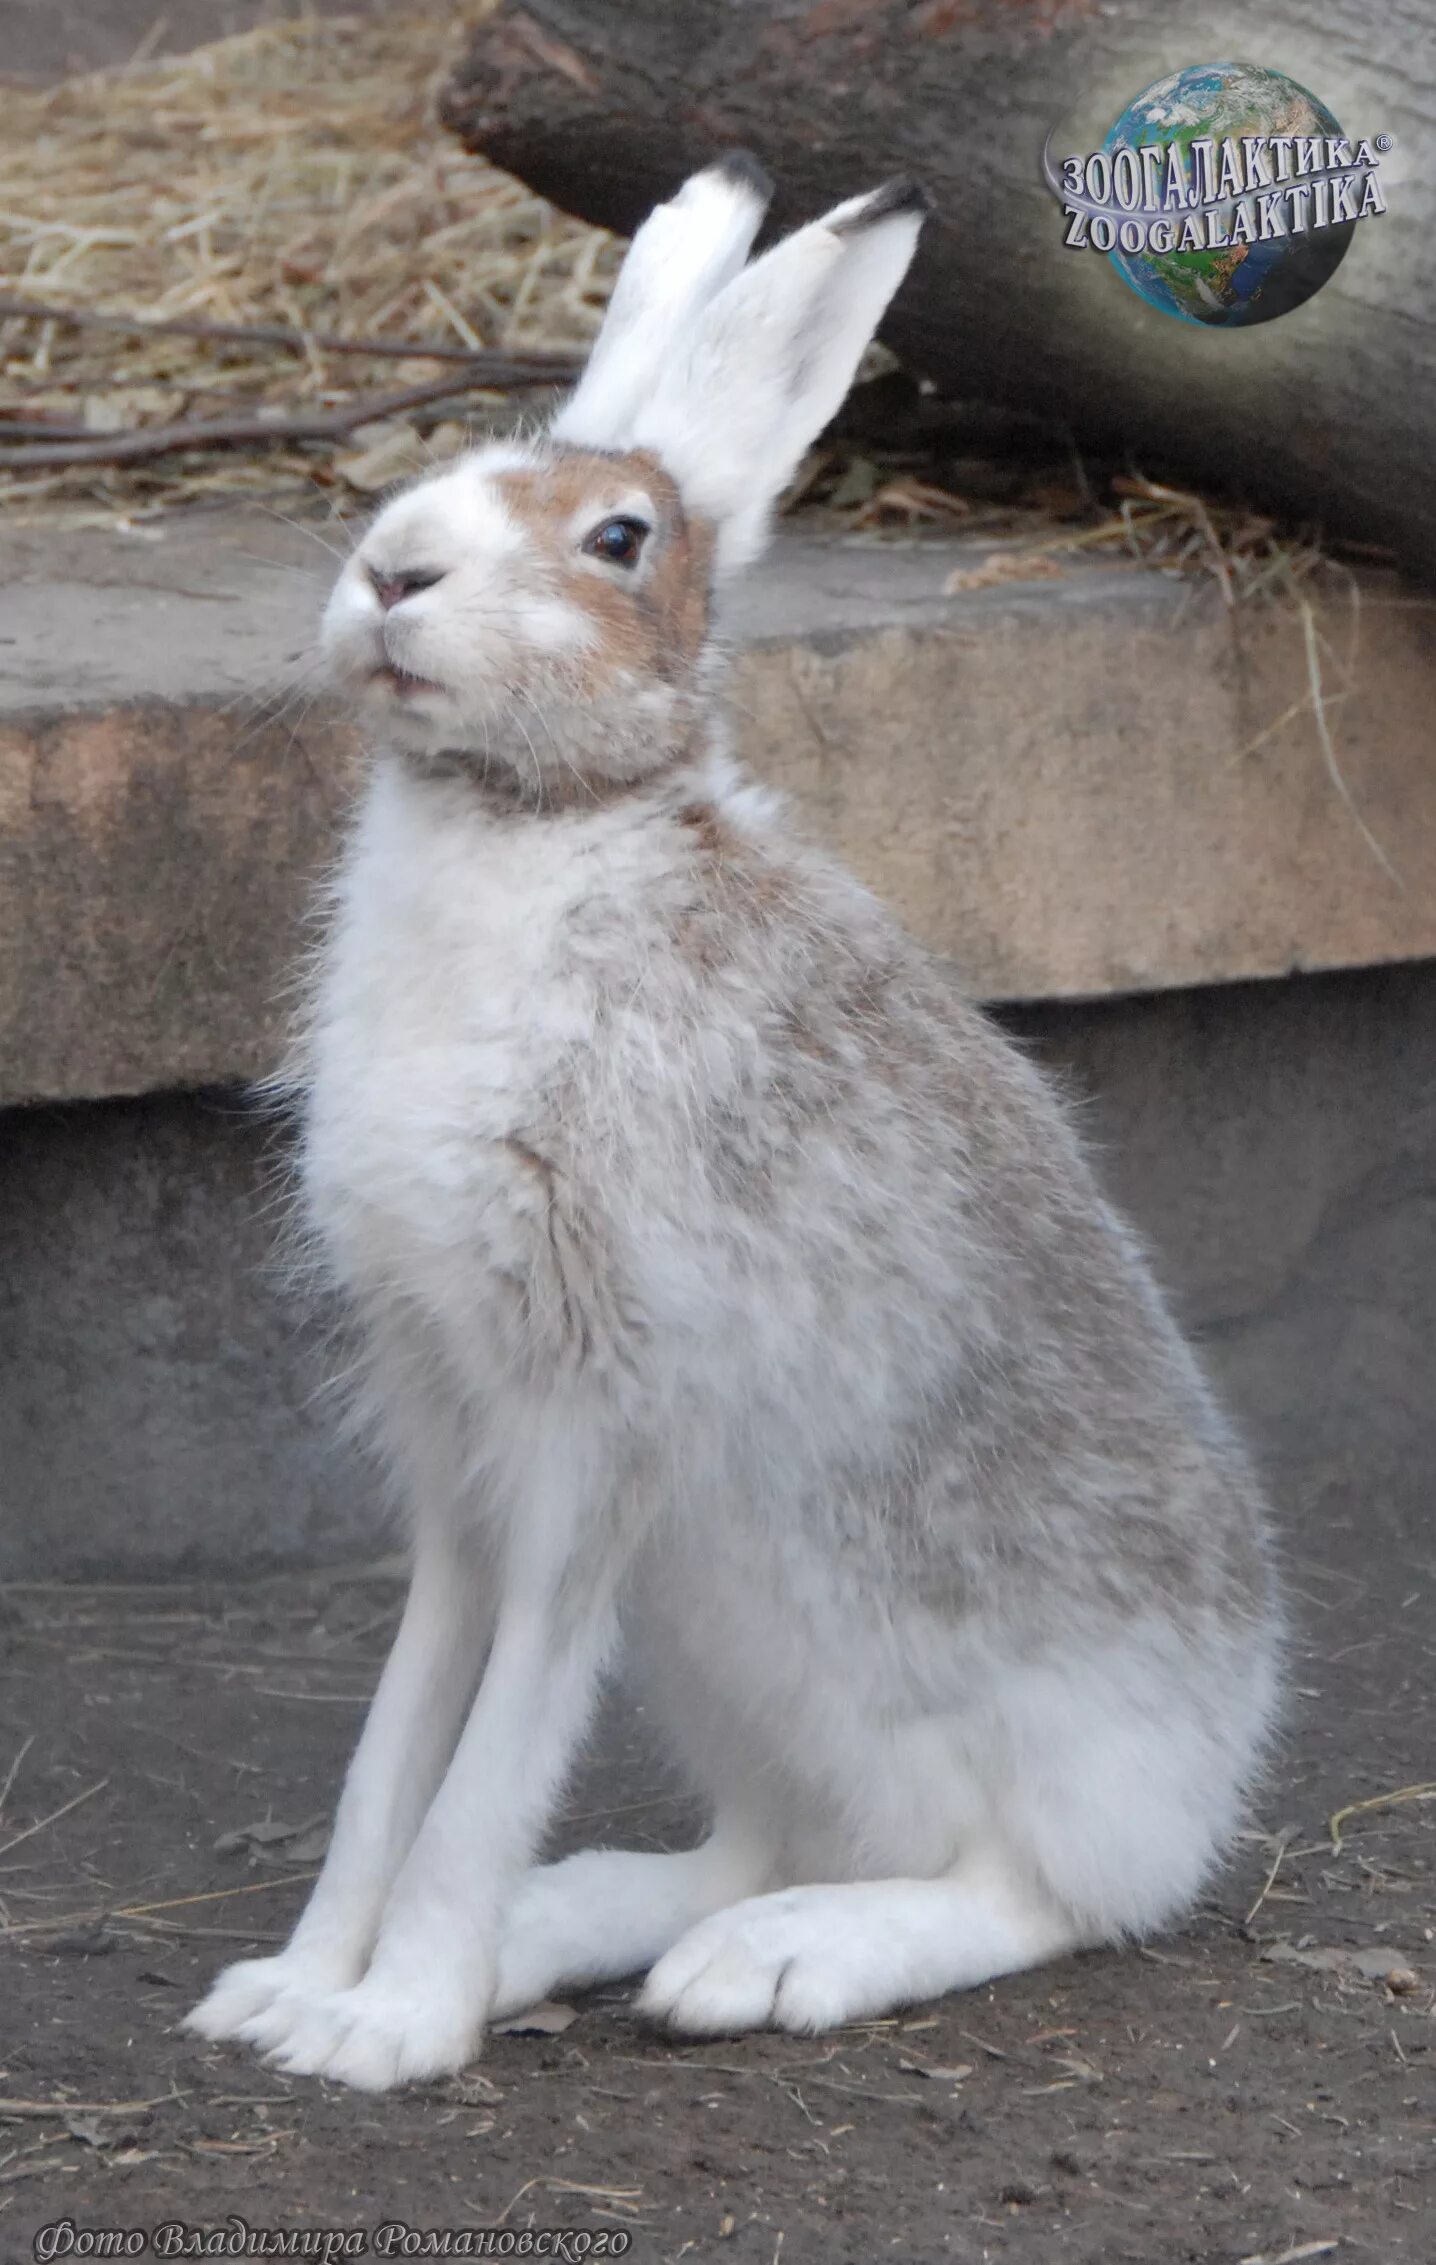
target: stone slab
<point>1105,782</point>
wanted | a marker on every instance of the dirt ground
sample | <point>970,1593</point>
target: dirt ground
<point>1203,2100</point>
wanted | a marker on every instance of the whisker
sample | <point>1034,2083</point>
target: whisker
<point>302,527</point>
<point>529,701</point>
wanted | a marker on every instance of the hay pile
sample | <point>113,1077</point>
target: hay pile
<point>293,178</point>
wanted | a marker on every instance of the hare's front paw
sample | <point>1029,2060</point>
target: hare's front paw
<point>248,1990</point>
<point>373,2036</point>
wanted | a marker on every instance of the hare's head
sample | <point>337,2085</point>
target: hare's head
<point>545,606</point>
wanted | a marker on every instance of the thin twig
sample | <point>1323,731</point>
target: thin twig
<point>131,446</point>
<point>1328,751</point>
<point>1279,723</point>
<point>1283,1843</point>
<point>156,1931</point>
<point>577,2186</point>
<point>60,1922</point>
<point>211,1895</point>
<point>16,2110</point>
<point>13,1771</point>
<point>1301,2250</point>
<point>514,2199</point>
<point>53,1818</point>
<point>1190,507</point>
<point>1394,1800</point>
<point>543,368</point>
<point>315,1698</point>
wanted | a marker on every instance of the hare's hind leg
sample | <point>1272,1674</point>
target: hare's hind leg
<point>609,1912</point>
<point>1120,1780</point>
<point>810,1958</point>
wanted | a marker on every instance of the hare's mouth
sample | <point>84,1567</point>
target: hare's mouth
<point>401,682</point>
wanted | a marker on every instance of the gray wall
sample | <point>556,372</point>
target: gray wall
<point>160,1385</point>
<point>1277,1144</point>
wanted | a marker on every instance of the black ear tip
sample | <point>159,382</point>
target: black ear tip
<point>902,194</point>
<point>741,167</point>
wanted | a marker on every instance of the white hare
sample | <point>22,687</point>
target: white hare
<point>724,1279</point>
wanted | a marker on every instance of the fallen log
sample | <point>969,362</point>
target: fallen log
<point>1327,414</point>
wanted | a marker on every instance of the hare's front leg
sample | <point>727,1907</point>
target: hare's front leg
<point>426,1688</point>
<point>419,2009</point>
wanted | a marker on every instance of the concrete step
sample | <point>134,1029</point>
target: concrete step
<point>1105,782</point>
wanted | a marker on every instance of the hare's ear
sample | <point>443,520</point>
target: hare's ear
<point>768,361</point>
<point>681,257</point>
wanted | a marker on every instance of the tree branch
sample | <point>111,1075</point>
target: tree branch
<point>534,368</point>
<point>134,445</point>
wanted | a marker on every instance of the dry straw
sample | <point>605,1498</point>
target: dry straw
<point>292,179</point>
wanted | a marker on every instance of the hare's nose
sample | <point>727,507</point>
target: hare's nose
<point>392,589</point>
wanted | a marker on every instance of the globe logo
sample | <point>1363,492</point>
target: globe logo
<point>1225,194</point>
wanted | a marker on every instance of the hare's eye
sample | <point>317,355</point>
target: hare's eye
<point>617,541</point>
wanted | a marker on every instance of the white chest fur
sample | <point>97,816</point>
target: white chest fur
<point>444,1015</point>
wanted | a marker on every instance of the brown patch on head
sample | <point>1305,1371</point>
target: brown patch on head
<point>652,621</point>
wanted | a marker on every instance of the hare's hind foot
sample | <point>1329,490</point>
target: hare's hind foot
<point>610,1912</point>
<point>811,1958</point>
